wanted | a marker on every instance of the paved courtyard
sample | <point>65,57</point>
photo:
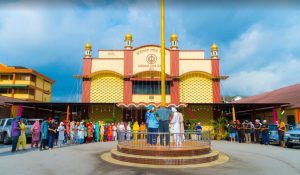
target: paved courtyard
<point>84,159</point>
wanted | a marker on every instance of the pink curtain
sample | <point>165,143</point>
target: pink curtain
<point>275,117</point>
<point>20,110</point>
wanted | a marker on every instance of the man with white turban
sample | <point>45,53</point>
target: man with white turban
<point>177,126</point>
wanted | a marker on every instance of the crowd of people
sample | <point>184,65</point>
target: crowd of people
<point>49,133</point>
<point>162,121</point>
<point>256,132</point>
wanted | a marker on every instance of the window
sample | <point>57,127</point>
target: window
<point>33,78</point>
<point>31,92</point>
<point>5,91</point>
<point>21,91</point>
<point>23,77</point>
<point>149,87</point>
<point>6,77</point>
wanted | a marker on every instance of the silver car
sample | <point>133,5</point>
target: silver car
<point>5,130</point>
<point>292,137</point>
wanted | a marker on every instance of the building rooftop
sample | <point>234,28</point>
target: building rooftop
<point>289,94</point>
<point>21,69</point>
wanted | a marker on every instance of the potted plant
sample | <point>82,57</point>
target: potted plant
<point>219,127</point>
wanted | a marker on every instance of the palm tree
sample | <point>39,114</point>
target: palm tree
<point>219,126</point>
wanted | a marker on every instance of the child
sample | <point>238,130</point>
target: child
<point>199,130</point>
<point>61,134</point>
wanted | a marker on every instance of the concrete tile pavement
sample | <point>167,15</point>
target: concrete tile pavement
<point>245,159</point>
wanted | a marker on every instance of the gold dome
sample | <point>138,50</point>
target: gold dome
<point>88,46</point>
<point>128,37</point>
<point>174,37</point>
<point>214,47</point>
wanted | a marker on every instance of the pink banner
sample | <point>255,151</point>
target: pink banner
<point>275,117</point>
<point>191,113</point>
<point>20,110</point>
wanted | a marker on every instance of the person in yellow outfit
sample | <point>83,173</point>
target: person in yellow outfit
<point>101,131</point>
<point>143,130</point>
<point>135,129</point>
<point>22,137</point>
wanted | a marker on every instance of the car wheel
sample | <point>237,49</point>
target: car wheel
<point>6,140</point>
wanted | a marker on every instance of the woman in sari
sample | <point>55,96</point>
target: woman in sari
<point>90,132</point>
<point>81,130</point>
<point>22,137</point>
<point>35,134</point>
<point>109,132</point>
<point>97,134</point>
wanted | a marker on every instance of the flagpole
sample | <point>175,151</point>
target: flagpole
<point>162,37</point>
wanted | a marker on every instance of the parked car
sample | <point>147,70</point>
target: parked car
<point>5,129</point>
<point>292,137</point>
<point>273,133</point>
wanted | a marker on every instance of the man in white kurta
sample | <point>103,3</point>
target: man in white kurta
<point>176,127</point>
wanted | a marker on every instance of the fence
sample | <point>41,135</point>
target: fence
<point>158,139</point>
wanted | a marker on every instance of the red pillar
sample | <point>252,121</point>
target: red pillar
<point>216,82</point>
<point>174,62</point>
<point>86,83</point>
<point>128,66</point>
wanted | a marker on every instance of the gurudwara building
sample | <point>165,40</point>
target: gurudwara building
<point>121,83</point>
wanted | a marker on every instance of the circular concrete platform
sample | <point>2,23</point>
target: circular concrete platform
<point>222,158</point>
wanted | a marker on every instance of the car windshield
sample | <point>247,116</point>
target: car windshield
<point>8,122</point>
<point>272,127</point>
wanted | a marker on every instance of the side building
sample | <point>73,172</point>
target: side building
<point>26,84</point>
<point>288,94</point>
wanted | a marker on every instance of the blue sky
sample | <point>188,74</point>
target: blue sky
<point>258,42</point>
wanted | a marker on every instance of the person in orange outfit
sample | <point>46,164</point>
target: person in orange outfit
<point>110,132</point>
<point>101,131</point>
<point>143,130</point>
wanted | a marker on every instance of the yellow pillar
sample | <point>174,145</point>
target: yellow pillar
<point>233,113</point>
<point>162,35</point>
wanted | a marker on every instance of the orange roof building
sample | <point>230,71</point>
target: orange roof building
<point>289,94</point>
<point>26,84</point>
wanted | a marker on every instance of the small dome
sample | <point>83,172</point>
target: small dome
<point>128,37</point>
<point>174,37</point>
<point>88,46</point>
<point>214,47</point>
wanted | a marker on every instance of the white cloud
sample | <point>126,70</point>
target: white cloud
<point>267,78</point>
<point>263,58</point>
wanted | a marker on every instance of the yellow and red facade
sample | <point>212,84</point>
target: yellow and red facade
<point>109,78</point>
<point>113,75</point>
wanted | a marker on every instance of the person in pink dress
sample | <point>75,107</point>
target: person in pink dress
<point>35,130</point>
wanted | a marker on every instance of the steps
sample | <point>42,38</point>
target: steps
<point>155,159</point>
